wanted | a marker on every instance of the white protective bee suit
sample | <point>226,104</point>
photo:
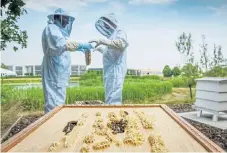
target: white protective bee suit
<point>56,65</point>
<point>114,57</point>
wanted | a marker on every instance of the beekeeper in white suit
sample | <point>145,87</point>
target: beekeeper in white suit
<point>114,57</point>
<point>56,65</point>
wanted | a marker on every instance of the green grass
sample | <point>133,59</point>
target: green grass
<point>33,99</point>
<point>178,96</point>
<point>91,82</point>
<point>136,91</point>
<point>84,93</point>
<point>149,90</point>
<point>91,79</point>
<point>30,80</point>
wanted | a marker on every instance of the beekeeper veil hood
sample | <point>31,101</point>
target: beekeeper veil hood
<point>107,24</point>
<point>62,19</point>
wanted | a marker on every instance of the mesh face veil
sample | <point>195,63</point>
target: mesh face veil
<point>68,27</point>
<point>105,26</point>
<point>61,13</point>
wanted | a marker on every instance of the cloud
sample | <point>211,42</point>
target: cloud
<point>76,5</point>
<point>69,5</point>
<point>117,7</point>
<point>44,6</point>
<point>151,1</point>
<point>94,1</point>
<point>219,11</point>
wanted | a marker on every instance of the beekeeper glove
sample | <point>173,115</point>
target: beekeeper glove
<point>75,46</point>
<point>120,44</point>
<point>100,49</point>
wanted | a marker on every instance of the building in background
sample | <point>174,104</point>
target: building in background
<point>36,70</point>
<point>143,72</point>
<point>134,72</point>
<point>5,72</point>
<point>76,70</point>
<point>19,70</point>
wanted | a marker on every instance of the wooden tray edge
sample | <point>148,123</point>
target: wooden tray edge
<point>196,134</point>
<point>110,105</point>
<point>11,142</point>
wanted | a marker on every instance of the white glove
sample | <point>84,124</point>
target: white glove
<point>100,49</point>
<point>116,44</point>
<point>71,45</point>
<point>98,42</point>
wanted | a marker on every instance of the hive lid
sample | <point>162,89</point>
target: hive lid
<point>218,79</point>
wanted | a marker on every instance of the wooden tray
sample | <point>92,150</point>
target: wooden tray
<point>178,135</point>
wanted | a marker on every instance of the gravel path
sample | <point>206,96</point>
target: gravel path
<point>181,108</point>
<point>217,135</point>
<point>23,123</point>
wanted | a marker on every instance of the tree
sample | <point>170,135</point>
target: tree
<point>218,58</point>
<point>217,71</point>
<point>11,10</point>
<point>176,71</point>
<point>218,64</point>
<point>190,70</point>
<point>204,59</point>
<point>167,72</point>
<point>184,46</point>
<point>4,66</point>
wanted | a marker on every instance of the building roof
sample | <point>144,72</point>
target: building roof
<point>7,72</point>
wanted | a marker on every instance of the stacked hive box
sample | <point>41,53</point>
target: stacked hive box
<point>211,96</point>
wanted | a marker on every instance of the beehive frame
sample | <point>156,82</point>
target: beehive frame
<point>197,135</point>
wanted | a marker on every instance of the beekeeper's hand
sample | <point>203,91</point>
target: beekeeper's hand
<point>71,45</point>
<point>100,49</point>
<point>119,43</point>
<point>75,46</point>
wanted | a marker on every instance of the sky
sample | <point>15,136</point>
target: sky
<point>152,28</point>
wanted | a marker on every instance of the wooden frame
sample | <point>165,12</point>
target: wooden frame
<point>197,135</point>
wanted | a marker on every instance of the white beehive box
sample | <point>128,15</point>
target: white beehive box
<point>212,84</point>
<point>211,95</point>
<point>214,96</point>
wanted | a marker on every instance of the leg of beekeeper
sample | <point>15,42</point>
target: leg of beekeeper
<point>113,89</point>
<point>114,75</point>
<point>113,84</point>
<point>54,96</point>
<point>54,92</point>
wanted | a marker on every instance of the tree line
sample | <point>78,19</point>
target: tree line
<point>210,64</point>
